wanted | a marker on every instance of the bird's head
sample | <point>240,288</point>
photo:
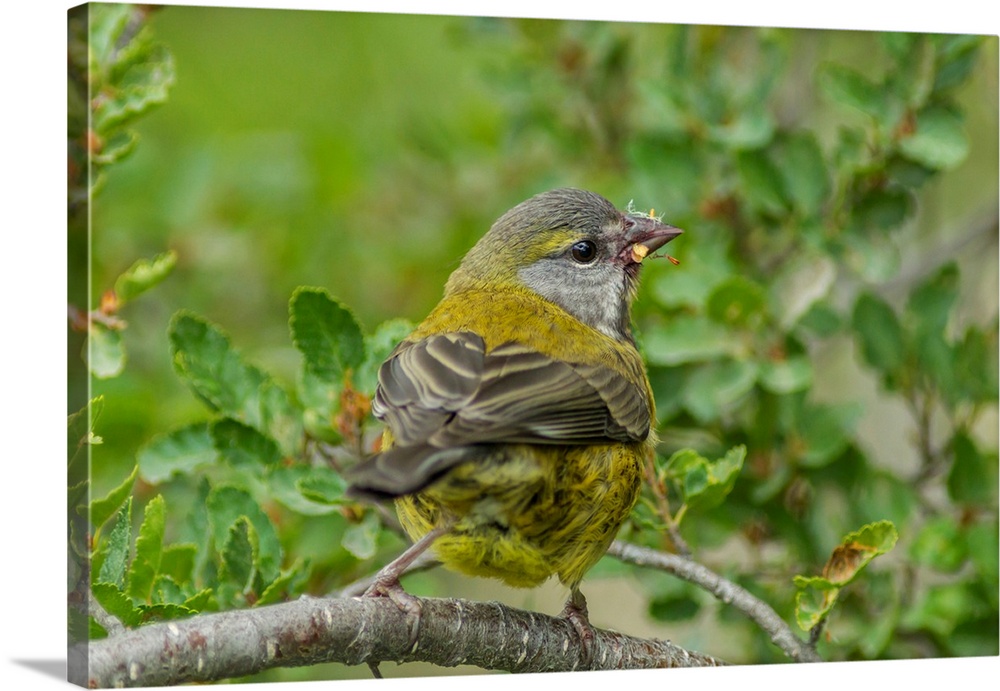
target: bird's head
<point>573,248</point>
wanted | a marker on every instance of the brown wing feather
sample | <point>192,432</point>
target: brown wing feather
<point>447,393</point>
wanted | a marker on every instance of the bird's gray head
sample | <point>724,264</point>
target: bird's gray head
<point>571,247</point>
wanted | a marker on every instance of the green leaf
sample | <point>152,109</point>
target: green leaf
<point>706,264</point>
<point>688,338</point>
<point>938,140</point>
<point>737,301</point>
<point>939,545</point>
<point>750,128</point>
<point>243,446</point>
<point>851,88</point>
<point>204,358</point>
<point>177,562</point>
<point>931,302</point>
<point>673,609</point>
<point>825,432</point>
<point>116,603</point>
<point>716,386</point>
<point>941,608</point>
<point>762,183</point>
<point>821,319</point>
<point>326,333</point>
<point>880,210</point>
<point>227,505</point>
<point>955,59</point>
<point>239,554</point>
<point>976,365</point>
<point>817,595</point>
<point>144,86</point>
<point>804,173</point>
<point>148,550</point>
<point>176,453</point>
<point>324,486</point>
<point>285,483</point>
<point>361,539</point>
<point>117,548</point>
<point>143,275</point>
<point>286,586</point>
<point>104,351</point>
<point>103,509</point>
<point>972,479</point>
<point>702,483</point>
<point>879,334</point>
<point>786,376</point>
<point>378,346</point>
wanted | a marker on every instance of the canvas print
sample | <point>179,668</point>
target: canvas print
<point>422,345</point>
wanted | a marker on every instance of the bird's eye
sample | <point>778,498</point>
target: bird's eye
<point>584,251</point>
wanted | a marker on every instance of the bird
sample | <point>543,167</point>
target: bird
<point>518,413</point>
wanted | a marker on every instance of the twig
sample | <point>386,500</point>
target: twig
<point>726,591</point>
<point>354,631</point>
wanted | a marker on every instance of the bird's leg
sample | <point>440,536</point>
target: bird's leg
<point>386,584</point>
<point>576,611</point>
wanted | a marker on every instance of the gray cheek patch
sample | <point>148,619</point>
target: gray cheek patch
<point>595,293</point>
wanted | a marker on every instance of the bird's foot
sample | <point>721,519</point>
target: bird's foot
<point>576,612</point>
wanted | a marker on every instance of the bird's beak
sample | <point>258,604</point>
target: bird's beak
<point>648,235</point>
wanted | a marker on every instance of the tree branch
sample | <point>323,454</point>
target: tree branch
<point>727,591</point>
<point>352,631</point>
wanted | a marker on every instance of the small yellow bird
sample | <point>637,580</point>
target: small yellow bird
<point>518,414</point>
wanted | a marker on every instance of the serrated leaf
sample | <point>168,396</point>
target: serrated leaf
<point>103,509</point>
<point>326,333</point>
<point>239,554</point>
<point>817,595</point>
<point>324,486</point>
<point>243,446</point>
<point>104,351</point>
<point>117,547</point>
<point>143,275</point>
<point>176,453</point>
<point>284,483</point>
<point>226,505</point>
<point>289,584</point>
<point>148,550</point>
<point>143,87</point>
<point>117,603</point>
<point>361,539</point>
<point>703,483</point>
<point>205,359</point>
<point>164,611</point>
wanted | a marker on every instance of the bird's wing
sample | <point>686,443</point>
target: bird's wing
<point>447,391</point>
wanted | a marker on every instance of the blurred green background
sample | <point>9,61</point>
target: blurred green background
<point>365,153</point>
